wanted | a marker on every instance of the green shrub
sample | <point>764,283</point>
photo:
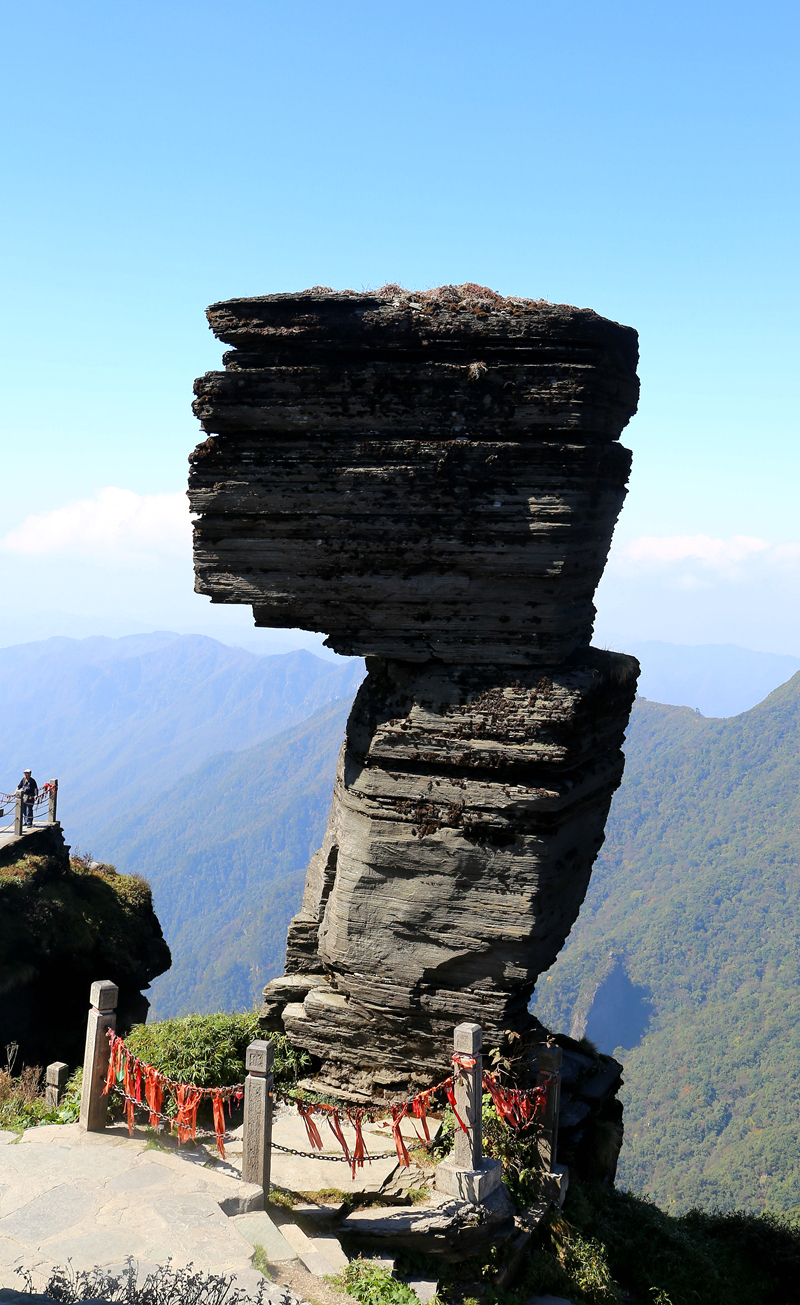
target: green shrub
<point>22,1103</point>
<point>371,1283</point>
<point>209,1050</point>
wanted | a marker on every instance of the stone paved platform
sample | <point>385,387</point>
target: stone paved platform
<point>93,1199</point>
<point>96,1198</point>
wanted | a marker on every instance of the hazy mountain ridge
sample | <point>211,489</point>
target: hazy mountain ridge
<point>717,679</point>
<point>697,895</point>
<point>119,720</point>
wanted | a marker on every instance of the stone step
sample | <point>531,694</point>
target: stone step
<point>330,1247</point>
<point>314,1259</point>
<point>424,1289</point>
<point>259,1230</point>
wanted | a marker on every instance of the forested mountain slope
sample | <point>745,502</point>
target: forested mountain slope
<point>691,931</point>
<point>225,851</point>
<point>118,721</point>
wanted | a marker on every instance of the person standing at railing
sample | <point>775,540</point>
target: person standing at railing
<point>29,790</point>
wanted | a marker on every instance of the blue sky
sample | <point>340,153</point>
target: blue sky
<point>637,158</point>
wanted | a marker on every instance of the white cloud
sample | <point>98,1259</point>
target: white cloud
<point>702,589</point>
<point>697,560</point>
<point>116,525</point>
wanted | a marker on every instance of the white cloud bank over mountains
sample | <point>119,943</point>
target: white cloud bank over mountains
<point>128,556</point>
<point>704,560</point>
<point>117,526</point>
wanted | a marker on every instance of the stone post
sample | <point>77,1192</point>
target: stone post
<point>548,1061</point>
<point>257,1132</point>
<point>55,1082</point>
<point>102,1017</point>
<point>52,802</point>
<point>18,815</point>
<point>466,1173</point>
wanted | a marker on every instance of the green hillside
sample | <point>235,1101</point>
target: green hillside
<point>225,850</point>
<point>690,927</point>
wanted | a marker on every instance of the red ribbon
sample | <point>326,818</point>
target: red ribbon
<point>219,1122</point>
<point>421,1105</point>
<point>451,1097</point>
<point>129,1090</point>
<point>305,1112</point>
<point>153,1094</point>
<point>188,1098</point>
<point>399,1113</point>
<point>515,1107</point>
<point>335,1125</point>
<point>360,1153</point>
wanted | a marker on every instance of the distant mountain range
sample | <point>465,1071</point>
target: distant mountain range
<point>119,721</point>
<point>685,960</point>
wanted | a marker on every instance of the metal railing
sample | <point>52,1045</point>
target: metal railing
<point>13,818</point>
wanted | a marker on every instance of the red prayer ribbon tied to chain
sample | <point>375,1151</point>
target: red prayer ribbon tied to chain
<point>515,1107</point>
<point>132,1072</point>
<point>334,1115</point>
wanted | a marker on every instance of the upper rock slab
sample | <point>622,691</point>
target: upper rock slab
<point>430,475</point>
<point>432,323</point>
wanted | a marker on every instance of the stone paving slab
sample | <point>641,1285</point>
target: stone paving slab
<point>314,1259</point>
<point>96,1198</point>
<point>331,1248</point>
<point>300,1174</point>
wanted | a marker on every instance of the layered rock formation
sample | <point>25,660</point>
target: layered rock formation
<point>433,480</point>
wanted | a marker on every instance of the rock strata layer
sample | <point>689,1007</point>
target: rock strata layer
<point>432,480</point>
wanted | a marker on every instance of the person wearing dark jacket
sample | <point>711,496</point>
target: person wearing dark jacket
<point>29,789</point>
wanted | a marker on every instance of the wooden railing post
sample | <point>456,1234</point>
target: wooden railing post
<point>55,1082</point>
<point>548,1063</point>
<point>102,1017</point>
<point>467,1173</point>
<point>18,815</point>
<point>257,1132</point>
<point>52,802</point>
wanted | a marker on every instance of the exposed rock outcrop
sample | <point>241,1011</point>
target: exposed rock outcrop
<point>433,480</point>
<point>63,924</point>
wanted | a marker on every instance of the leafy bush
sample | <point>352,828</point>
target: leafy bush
<point>372,1283</point>
<point>567,1261</point>
<point>209,1050</point>
<point>22,1103</point>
